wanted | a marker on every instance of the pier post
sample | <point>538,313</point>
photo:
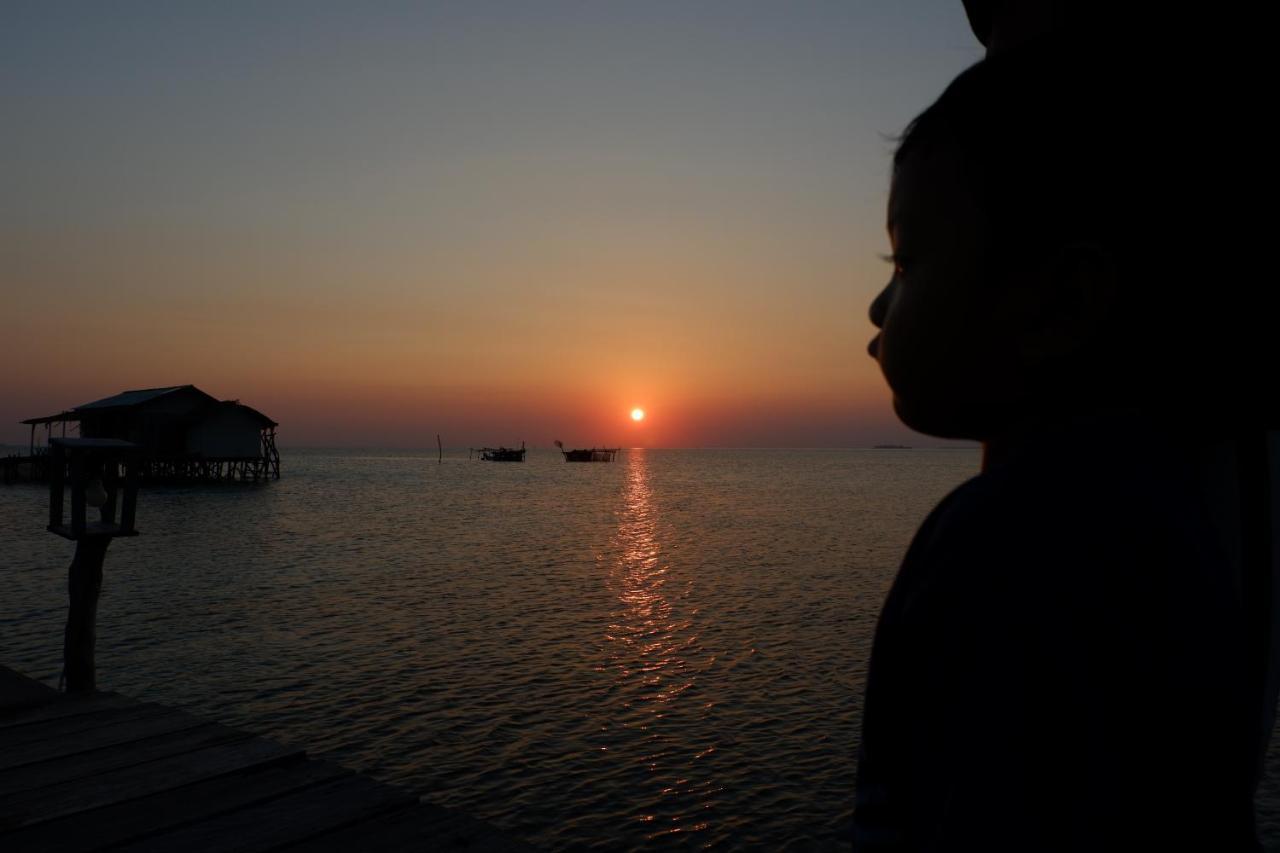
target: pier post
<point>101,474</point>
<point>84,583</point>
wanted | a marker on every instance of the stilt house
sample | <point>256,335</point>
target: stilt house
<point>185,433</point>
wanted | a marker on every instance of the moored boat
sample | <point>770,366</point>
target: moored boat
<point>500,454</point>
<point>592,454</point>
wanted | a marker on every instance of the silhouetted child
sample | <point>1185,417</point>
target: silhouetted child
<point>1063,662</point>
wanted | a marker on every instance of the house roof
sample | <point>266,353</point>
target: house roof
<point>129,399</point>
<point>134,398</point>
<point>53,419</point>
<point>262,419</point>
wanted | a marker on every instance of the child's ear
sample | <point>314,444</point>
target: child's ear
<point>1069,304</point>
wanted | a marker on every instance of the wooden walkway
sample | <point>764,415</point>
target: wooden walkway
<point>106,771</point>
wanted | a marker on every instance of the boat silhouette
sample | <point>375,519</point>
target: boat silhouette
<point>592,454</point>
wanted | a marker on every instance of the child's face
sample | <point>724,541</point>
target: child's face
<point>942,346</point>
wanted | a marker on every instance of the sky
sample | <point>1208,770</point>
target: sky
<point>496,222</point>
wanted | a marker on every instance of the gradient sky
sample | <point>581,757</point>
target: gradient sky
<point>377,222</point>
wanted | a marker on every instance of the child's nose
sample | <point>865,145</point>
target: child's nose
<point>880,305</point>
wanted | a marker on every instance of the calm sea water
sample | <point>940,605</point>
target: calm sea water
<point>665,652</point>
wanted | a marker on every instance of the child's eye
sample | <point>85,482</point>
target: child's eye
<point>899,268</point>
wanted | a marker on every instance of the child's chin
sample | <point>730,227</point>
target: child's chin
<point>937,421</point>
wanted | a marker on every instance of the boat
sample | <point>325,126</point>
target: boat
<point>592,454</point>
<point>500,454</point>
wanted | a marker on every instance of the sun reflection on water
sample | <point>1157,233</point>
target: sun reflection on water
<point>647,638</point>
<point>651,654</point>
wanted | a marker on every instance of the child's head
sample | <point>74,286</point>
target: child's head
<point>1025,218</point>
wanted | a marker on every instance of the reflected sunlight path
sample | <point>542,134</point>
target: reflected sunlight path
<point>651,649</point>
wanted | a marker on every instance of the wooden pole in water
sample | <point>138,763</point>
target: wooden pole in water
<point>440,449</point>
<point>83,587</point>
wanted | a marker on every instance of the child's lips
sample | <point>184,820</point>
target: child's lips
<point>874,347</point>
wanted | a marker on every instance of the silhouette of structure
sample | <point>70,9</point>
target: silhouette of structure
<point>100,473</point>
<point>185,435</point>
<point>593,454</point>
<point>499,454</point>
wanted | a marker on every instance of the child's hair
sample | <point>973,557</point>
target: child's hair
<point>1061,145</point>
<point>1042,144</point>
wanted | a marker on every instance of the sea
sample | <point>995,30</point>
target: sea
<point>664,652</point>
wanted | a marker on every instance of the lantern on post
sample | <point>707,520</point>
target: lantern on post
<point>102,475</point>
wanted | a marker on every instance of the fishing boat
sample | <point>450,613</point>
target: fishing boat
<point>499,454</point>
<point>593,454</point>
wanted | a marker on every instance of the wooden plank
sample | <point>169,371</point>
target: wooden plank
<point>103,827</point>
<point>61,728</point>
<point>139,780</point>
<point>65,706</point>
<point>32,776</point>
<point>423,826</point>
<point>99,737</point>
<point>17,691</point>
<point>292,818</point>
<point>87,772</point>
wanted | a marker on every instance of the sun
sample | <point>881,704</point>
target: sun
<point>637,415</point>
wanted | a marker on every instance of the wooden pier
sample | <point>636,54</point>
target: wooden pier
<point>85,773</point>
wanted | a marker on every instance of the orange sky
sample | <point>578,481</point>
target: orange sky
<point>377,229</point>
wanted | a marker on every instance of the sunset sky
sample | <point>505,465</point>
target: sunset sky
<point>498,222</point>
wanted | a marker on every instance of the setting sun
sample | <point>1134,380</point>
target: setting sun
<point>637,414</point>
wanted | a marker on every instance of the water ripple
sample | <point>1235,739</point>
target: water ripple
<point>665,652</point>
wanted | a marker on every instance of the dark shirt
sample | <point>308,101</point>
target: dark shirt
<point>1061,663</point>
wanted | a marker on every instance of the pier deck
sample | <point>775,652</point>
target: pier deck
<point>106,771</point>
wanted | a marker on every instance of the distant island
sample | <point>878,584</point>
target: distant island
<point>892,447</point>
